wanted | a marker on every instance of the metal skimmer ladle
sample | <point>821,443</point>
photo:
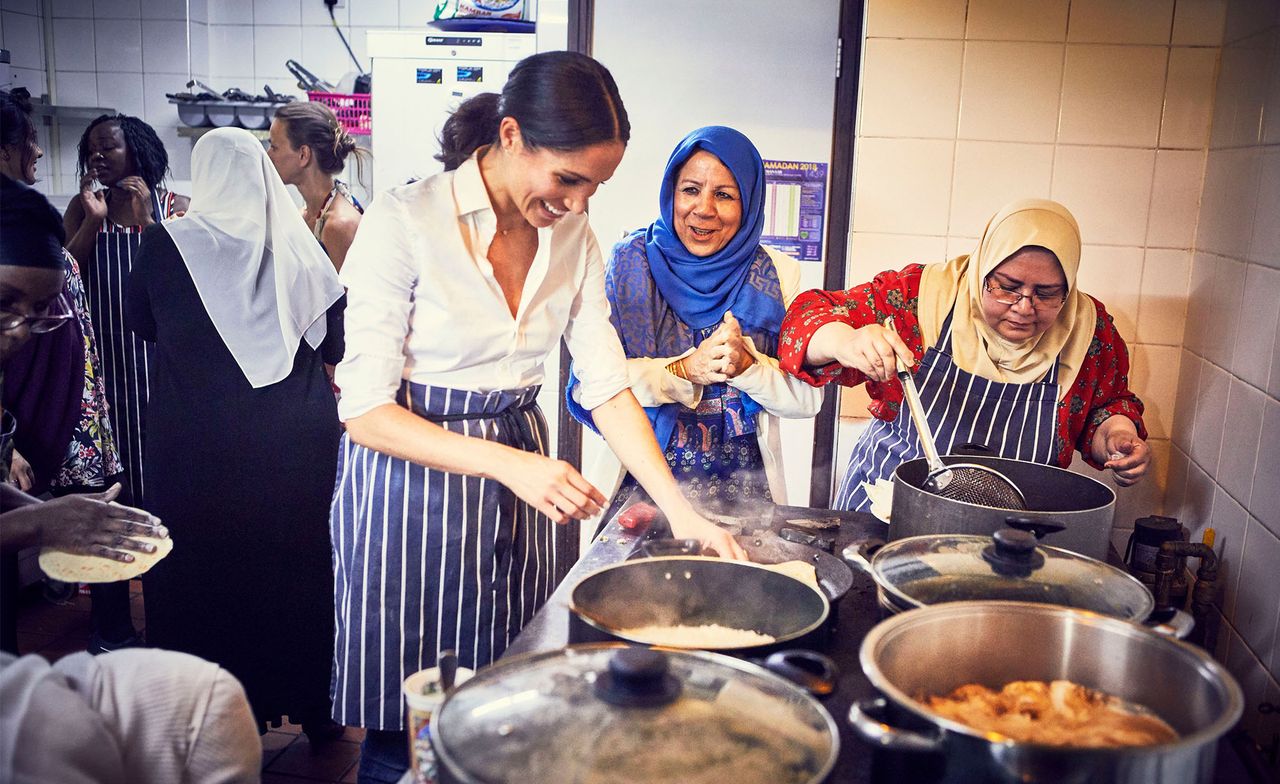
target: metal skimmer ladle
<point>967,482</point>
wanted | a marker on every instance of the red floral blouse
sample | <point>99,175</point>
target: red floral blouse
<point>1101,388</point>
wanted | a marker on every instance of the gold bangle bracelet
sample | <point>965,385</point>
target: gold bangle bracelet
<point>677,369</point>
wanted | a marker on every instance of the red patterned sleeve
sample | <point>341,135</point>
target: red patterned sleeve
<point>891,293</point>
<point>1101,390</point>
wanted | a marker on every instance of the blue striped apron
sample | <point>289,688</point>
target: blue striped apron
<point>427,560</point>
<point>1016,421</point>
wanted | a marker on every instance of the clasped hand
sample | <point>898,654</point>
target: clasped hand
<point>722,356</point>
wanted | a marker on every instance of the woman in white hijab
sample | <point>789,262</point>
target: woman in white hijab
<point>242,430</point>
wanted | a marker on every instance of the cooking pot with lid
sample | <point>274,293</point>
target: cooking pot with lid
<point>609,713</point>
<point>934,650</point>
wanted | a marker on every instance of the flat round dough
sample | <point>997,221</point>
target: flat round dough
<point>72,568</point>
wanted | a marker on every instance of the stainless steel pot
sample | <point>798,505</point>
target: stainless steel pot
<point>615,714</point>
<point>935,649</point>
<point>1083,505</point>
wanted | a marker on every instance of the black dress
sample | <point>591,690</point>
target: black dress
<point>242,477</point>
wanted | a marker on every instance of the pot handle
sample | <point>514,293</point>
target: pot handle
<point>1039,527</point>
<point>858,555</point>
<point>811,671</point>
<point>864,718</point>
<point>657,548</point>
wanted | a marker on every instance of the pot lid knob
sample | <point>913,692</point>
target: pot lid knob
<point>1013,553</point>
<point>638,678</point>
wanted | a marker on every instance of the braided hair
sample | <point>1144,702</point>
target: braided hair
<point>146,151</point>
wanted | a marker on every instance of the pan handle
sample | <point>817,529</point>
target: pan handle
<point>811,671</point>
<point>657,548</point>
<point>858,555</point>
<point>865,716</point>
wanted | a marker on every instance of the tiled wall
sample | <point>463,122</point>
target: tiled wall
<point>1225,461</point>
<point>1103,105</point>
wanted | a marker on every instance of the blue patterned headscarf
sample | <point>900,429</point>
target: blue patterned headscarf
<point>664,300</point>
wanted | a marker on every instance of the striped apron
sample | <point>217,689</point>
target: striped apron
<point>1016,421</point>
<point>427,560</point>
<point>125,357</point>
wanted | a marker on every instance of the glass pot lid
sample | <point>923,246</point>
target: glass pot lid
<point>614,713</point>
<point>925,570</point>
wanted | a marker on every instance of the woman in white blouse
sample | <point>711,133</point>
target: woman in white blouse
<point>459,286</point>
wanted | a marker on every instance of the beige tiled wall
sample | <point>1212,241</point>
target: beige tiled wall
<point>1225,457</point>
<point>1103,105</point>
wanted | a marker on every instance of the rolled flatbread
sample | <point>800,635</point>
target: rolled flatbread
<point>73,568</point>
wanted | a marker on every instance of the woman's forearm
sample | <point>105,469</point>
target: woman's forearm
<point>393,430</point>
<point>624,425</point>
<point>825,343</point>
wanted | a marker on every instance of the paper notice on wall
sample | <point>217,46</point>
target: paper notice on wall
<point>795,204</point>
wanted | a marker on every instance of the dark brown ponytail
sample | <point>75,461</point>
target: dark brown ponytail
<point>316,126</point>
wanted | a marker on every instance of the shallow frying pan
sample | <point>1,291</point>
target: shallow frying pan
<point>834,575</point>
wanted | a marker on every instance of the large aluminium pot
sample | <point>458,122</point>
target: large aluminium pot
<point>613,714</point>
<point>932,651</point>
<point>1083,505</point>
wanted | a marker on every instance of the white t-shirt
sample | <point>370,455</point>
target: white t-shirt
<point>423,303</point>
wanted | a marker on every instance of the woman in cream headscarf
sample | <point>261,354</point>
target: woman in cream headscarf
<point>1008,353</point>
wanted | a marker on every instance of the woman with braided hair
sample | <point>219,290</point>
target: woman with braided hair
<point>308,148</point>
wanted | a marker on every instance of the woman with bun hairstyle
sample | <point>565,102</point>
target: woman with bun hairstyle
<point>450,525</point>
<point>309,148</point>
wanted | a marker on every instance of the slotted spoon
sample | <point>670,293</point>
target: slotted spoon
<point>966,482</point>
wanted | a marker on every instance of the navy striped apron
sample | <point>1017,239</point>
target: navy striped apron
<point>427,560</point>
<point>1016,421</point>
<point>126,358</point>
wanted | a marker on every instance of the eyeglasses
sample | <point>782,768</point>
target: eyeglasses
<point>56,314</point>
<point>1012,297</point>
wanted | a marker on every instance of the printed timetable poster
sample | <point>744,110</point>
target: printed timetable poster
<point>795,204</point>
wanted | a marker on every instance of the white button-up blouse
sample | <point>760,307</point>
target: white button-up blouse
<point>423,304</point>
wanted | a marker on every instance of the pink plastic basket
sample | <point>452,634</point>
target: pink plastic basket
<point>354,111</point>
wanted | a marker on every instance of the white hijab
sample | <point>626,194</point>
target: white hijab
<point>264,280</point>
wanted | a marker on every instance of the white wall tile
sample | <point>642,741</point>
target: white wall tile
<point>1255,333</point>
<point>1184,414</point>
<point>373,13</point>
<point>314,12</point>
<point>1176,484</point>
<point>1264,500</point>
<point>156,107</point>
<point>1224,312</point>
<point>1252,677</point>
<point>928,71</point>
<point>76,88</point>
<point>1239,460</point>
<point>28,7</point>
<point>1115,214</point>
<point>232,12</point>
<point>1241,93</point>
<point>122,95</point>
<point>118,45</point>
<point>1227,203</point>
<point>200,10</point>
<point>169,10</point>
<point>79,9</point>
<point>1120,21</point>
<point>1175,198</point>
<point>1273,386</point>
<point>230,53</point>
<point>1199,300</point>
<point>1248,17</point>
<point>1271,110</point>
<point>117,9</point>
<point>200,48</point>
<point>871,254</point>
<point>1255,609</point>
<point>1211,416</point>
<point>164,46</point>
<point>1162,307</point>
<point>992,110</point>
<point>322,53</point>
<point>277,12</point>
<point>1153,375</point>
<point>1017,20</point>
<point>1098,108</point>
<point>272,46</point>
<point>894,19</point>
<point>1113,275</point>
<point>1188,99</point>
<point>73,45</point>
<point>902,186</point>
<point>1199,22</point>
<point>24,38</point>
<point>1198,501</point>
<point>989,175</point>
<point>1264,247</point>
<point>1230,522</point>
<point>358,37</point>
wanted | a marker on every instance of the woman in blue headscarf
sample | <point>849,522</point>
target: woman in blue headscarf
<point>698,302</point>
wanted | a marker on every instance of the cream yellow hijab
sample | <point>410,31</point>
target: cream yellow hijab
<point>957,285</point>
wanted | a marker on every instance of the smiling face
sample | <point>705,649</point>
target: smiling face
<point>109,159</point>
<point>546,184</point>
<point>18,161</point>
<point>287,159</point>
<point>1029,271</point>
<point>706,205</point>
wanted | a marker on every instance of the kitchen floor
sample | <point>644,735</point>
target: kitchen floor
<point>55,627</point>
